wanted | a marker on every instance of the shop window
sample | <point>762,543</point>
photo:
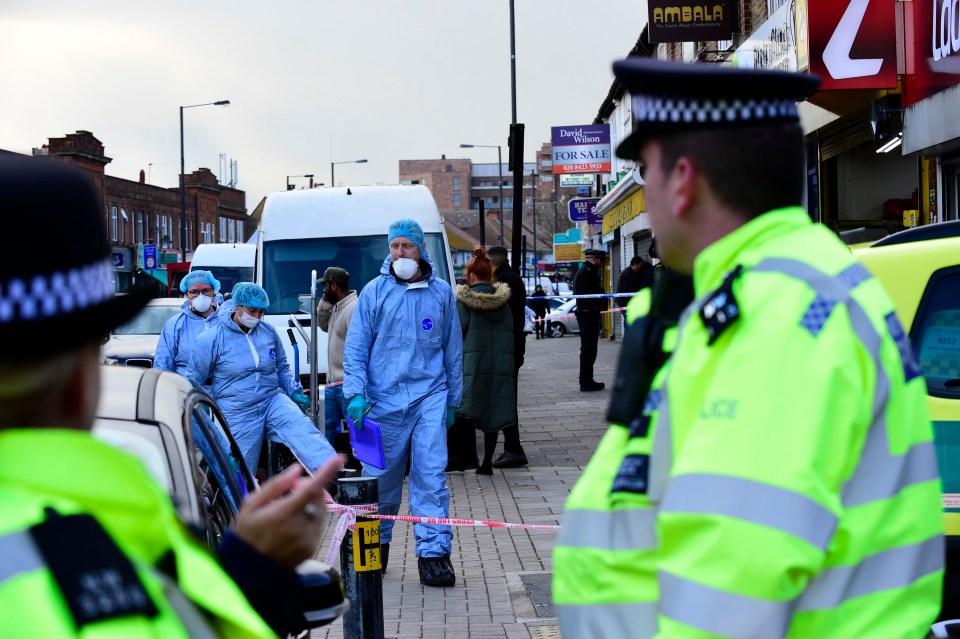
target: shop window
<point>936,334</point>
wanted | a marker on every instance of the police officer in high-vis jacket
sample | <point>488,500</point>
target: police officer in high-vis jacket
<point>90,544</point>
<point>775,477</point>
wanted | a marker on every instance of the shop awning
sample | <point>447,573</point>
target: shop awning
<point>158,274</point>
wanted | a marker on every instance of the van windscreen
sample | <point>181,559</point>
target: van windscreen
<point>287,264</point>
<point>227,275</point>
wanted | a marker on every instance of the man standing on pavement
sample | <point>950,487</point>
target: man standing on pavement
<point>333,317</point>
<point>403,368</point>
<point>540,307</point>
<point>632,278</point>
<point>777,476</point>
<point>513,455</point>
<point>92,545</point>
<point>587,281</point>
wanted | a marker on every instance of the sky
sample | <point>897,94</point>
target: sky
<point>309,82</point>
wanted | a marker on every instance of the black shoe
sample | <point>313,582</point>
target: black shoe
<point>592,386</point>
<point>484,469</point>
<point>384,557</point>
<point>436,571</point>
<point>510,460</point>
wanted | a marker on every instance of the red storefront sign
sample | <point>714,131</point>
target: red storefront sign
<point>931,47</point>
<point>853,43</point>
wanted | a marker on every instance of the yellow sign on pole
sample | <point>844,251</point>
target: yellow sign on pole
<point>366,546</point>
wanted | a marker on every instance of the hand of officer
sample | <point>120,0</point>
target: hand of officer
<point>356,408</point>
<point>451,416</point>
<point>301,400</point>
<point>283,519</point>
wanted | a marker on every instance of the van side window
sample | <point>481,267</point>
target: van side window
<point>936,334</point>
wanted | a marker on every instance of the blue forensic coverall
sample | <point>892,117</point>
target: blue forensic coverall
<point>179,334</point>
<point>252,385</point>
<point>404,351</point>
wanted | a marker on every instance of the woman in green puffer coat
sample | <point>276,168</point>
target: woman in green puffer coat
<point>488,369</point>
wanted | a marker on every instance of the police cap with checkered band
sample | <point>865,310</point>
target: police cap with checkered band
<point>56,290</point>
<point>672,97</point>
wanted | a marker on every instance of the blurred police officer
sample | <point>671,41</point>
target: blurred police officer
<point>90,544</point>
<point>779,480</point>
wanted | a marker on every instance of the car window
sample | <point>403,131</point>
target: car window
<point>149,321</point>
<point>219,472</point>
<point>228,276</point>
<point>936,334</point>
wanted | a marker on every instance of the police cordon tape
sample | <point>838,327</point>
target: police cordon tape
<point>556,317</point>
<point>348,521</point>
<point>591,296</point>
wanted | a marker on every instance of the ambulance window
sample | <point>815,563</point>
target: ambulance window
<point>936,334</point>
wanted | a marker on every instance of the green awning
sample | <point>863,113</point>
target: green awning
<point>159,274</point>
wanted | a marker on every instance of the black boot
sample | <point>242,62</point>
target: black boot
<point>436,571</point>
<point>384,556</point>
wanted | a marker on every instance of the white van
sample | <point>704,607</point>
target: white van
<point>311,229</point>
<point>229,263</point>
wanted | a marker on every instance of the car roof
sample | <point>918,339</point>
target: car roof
<point>166,301</point>
<point>922,233</point>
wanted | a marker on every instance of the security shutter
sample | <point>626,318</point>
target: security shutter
<point>844,134</point>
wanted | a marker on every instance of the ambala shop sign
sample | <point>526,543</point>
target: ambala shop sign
<point>689,20</point>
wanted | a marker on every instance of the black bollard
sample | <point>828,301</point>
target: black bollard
<point>360,563</point>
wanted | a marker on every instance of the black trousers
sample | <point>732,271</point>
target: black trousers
<point>541,326</point>
<point>511,434</point>
<point>589,336</point>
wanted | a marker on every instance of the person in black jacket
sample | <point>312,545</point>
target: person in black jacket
<point>587,282</point>
<point>632,278</point>
<point>541,307</point>
<point>513,455</point>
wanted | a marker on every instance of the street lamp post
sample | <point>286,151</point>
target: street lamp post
<point>499,170</point>
<point>183,177</point>
<point>153,164</point>
<point>290,186</point>
<point>332,183</point>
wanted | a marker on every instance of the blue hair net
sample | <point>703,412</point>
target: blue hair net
<point>409,229</point>
<point>250,294</point>
<point>199,276</point>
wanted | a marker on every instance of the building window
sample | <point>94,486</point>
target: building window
<point>449,168</point>
<point>223,229</point>
<point>239,230</point>
<point>456,184</point>
<point>114,228</point>
<point>456,200</point>
<point>140,227</point>
<point>230,231</point>
<point>163,230</point>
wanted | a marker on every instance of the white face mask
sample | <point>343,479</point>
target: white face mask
<point>202,303</point>
<point>405,268</point>
<point>248,320</point>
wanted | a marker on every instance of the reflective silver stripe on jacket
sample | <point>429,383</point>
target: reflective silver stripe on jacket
<point>879,475</point>
<point>608,620</point>
<point>720,612</point>
<point>894,568</point>
<point>628,529</point>
<point>18,555</point>
<point>752,501</point>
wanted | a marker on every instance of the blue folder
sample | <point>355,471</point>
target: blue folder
<point>367,443</point>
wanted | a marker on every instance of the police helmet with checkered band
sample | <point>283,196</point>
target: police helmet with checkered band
<point>56,290</point>
<point>672,97</point>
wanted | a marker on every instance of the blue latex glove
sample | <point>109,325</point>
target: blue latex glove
<point>451,415</point>
<point>356,408</point>
<point>301,400</point>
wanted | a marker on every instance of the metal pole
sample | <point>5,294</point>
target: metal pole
<point>332,183</point>
<point>360,564</point>
<point>500,170</point>
<point>183,195</point>
<point>483,225</point>
<point>533,176</point>
<point>556,217</point>
<point>513,67</point>
<point>314,391</point>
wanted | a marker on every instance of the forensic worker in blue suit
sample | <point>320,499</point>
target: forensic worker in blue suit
<point>197,314</point>
<point>403,361</point>
<point>244,362</point>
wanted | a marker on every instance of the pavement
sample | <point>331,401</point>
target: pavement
<point>503,575</point>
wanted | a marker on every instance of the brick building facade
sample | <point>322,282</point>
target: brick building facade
<point>136,213</point>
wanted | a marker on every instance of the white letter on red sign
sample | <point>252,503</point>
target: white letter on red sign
<point>836,55</point>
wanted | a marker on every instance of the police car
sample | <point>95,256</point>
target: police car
<point>920,268</point>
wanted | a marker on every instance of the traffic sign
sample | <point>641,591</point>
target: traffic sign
<point>150,256</point>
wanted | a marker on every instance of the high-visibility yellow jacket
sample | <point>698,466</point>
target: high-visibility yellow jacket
<point>72,473</point>
<point>782,481</point>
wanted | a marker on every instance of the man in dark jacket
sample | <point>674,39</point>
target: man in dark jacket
<point>632,278</point>
<point>513,455</point>
<point>587,282</point>
<point>541,307</point>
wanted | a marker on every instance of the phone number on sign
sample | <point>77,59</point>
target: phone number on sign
<point>595,167</point>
